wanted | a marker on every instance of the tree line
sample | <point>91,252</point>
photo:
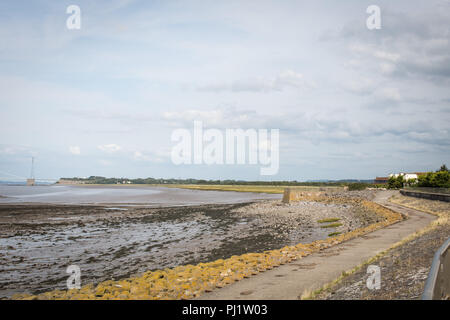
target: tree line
<point>438,179</point>
<point>104,180</point>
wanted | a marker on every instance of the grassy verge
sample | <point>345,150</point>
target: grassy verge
<point>236,188</point>
<point>249,188</point>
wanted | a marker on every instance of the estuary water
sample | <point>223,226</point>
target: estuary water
<point>125,195</point>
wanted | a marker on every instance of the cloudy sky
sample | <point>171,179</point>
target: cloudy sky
<point>103,100</point>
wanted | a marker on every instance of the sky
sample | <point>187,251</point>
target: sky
<point>104,99</point>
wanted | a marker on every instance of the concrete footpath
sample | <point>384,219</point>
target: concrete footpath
<point>290,281</point>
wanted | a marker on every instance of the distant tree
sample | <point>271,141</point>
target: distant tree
<point>396,182</point>
<point>443,168</point>
<point>440,179</point>
<point>410,182</point>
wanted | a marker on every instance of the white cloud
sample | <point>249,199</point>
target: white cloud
<point>157,157</point>
<point>75,150</point>
<point>12,150</point>
<point>140,156</point>
<point>360,85</point>
<point>211,117</point>
<point>283,80</point>
<point>386,55</point>
<point>105,162</point>
<point>194,64</point>
<point>389,94</point>
<point>109,148</point>
<point>412,44</point>
<point>387,68</point>
<point>227,118</point>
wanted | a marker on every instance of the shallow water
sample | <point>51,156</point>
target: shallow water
<point>38,261</point>
<point>148,195</point>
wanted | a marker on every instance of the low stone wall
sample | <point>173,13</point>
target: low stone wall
<point>298,195</point>
<point>318,194</point>
<point>426,195</point>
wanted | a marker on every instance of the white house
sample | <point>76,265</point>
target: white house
<point>406,176</point>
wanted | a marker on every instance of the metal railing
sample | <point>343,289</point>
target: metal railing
<point>437,286</point>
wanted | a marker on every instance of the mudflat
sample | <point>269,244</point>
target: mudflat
<point>39,241</point>
<point>152,196</point>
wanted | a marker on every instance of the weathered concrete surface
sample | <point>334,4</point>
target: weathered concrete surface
<point>290,281</point>
<point>297,194</point>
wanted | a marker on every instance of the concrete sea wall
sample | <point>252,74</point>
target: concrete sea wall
<point>426,195</point>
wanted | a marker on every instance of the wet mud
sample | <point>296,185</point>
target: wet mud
<point>38,242</point>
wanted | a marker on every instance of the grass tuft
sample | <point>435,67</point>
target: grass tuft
<point>334,234</point>
<point>332,225</point>
<point>328,220</point>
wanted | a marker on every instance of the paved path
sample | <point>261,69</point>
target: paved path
<point>290,281</point>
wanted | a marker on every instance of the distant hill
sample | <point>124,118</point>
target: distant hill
<point>17,183</point>
<point>22,183</point>
<point>343,181</point>
<point>104,180</point>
